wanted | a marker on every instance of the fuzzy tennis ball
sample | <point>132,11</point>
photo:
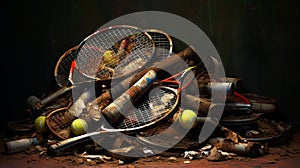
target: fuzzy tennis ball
<point>188,119</point>
<point>79,126</point>
<point>109,59</point>
<point>40,124</point>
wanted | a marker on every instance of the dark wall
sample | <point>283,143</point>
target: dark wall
<point>256,40</point>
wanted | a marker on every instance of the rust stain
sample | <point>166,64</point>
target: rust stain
<point>134,91</point>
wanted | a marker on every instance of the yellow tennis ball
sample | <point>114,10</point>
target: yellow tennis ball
<point>188,119</point>
<point>40,124</point>
<point>79,126</point>
<point>109,59</point>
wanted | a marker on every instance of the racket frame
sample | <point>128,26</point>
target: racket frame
<point>82,43</point>
<point>54,148</point>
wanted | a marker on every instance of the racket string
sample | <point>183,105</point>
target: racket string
<point>91,54</point>
<point>163,44</point>
<point>62,69</point>
<point>149,110</point>
<point>58,119</point>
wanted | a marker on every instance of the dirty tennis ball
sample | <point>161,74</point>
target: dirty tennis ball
<point>40,124</point>
<point>188,119</point>
<point>109,59</point>
<point>79,126</point>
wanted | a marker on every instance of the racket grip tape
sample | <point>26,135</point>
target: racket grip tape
<point>32,101</point>
<point>263,107</point>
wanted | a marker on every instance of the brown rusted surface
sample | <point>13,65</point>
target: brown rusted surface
<point>196,103</point>
<point>133,92</point>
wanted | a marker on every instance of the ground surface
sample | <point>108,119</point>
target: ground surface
<point>287,155</point>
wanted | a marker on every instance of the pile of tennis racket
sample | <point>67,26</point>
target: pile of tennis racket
<point>115,80</point>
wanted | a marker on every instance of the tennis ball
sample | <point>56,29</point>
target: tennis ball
<point>109,59</point>
<point>40,124</point>
<point>188,119</point>
<point>79,126</point>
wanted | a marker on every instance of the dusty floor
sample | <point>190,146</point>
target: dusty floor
<point>287,155</point>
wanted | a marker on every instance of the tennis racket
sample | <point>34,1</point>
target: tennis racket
<point>166,137</point>
<point>171,63</point>
<point>64,74</point>
<point>160,102</point>
<point>112,52</point>
<point>170,136</point>
<point>163,43</point>
<point>62,67</point>
<point>59,121</point>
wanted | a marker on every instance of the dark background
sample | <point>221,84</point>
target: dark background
<point>256,40</point>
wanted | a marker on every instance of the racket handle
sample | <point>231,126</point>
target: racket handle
<point>263,107</point>
<point>114,111</point>
<point>241,107</point>
<point>32,101</point>
<point>54,148</point>
<point>37,104</point>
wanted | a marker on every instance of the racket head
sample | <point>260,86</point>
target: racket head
<point>62,67</point>
<point>62,70</point>
<point>159,103</point>
<point>114,52</point>
<point>59,122</point>
<point>163,43</point>
<point>129,124</point>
